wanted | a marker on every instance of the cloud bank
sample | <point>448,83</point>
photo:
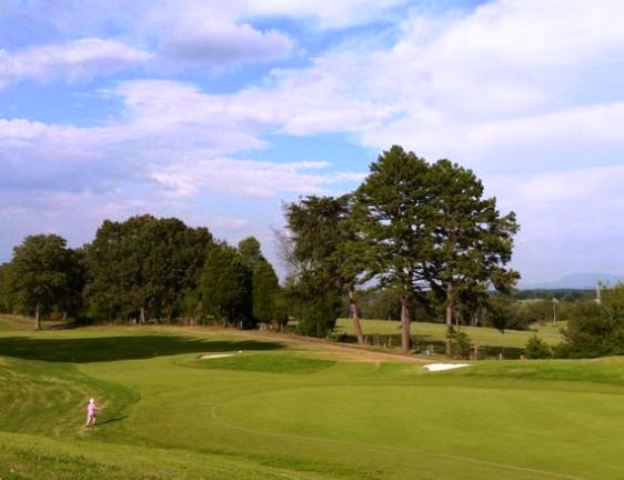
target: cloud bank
<point>525,92</point>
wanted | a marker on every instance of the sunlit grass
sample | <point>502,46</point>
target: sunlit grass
<point>283,410</point>
<point>436,332</point>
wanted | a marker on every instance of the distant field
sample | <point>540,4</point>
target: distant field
<point>436,332</point>
<point>289,408</point>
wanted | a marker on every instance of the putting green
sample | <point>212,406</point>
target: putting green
<point>513,429</point>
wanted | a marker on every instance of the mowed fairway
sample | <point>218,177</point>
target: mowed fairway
<point>292,409</point>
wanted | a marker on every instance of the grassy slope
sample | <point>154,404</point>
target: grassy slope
<point>20,323</point>
<point>274,412</point>
<point>436,332</point>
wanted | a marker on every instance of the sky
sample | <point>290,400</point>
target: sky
<point>219,112</point>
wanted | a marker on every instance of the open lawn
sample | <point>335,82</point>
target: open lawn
<point>288,408</point>
<point>425,332</point>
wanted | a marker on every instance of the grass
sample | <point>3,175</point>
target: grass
<point>266,363</point>
<point>294,410</point>
<point>426,332</point>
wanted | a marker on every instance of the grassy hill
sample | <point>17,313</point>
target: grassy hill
<point>17,322</point>
<point>288,408</point>
<point>436,332</point>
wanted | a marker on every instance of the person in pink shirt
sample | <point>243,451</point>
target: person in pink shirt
<point>91,412</point>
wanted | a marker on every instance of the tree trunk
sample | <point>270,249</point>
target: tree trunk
<point>142,318</point>
<point>355,315</point>
<point>405,324</point>
<point>449,317</point>
<point>37,318</point>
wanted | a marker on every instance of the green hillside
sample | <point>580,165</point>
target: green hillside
<point>262,407</point>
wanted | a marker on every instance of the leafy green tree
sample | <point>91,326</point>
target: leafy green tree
<point>265,284</point>
<point>472,306</point>
<point>5,290</point>
<point>144,265</point>
<point>473,242</point>
<point>226,287</point>
<point>320,257</point>
<point>70,304</point>
<point>595,330</point>
<point>460,343</point>
<point>503,312</point>
<point>266,287</point>
<point>314,305</point>
<point>380,303</point>
<point>281,309</point>
<point>394,215</point>
<point>250,252</point>
<point>40,275</point>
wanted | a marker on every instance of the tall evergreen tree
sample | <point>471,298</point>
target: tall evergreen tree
<point>473,242</point>
<point>265,290</point>
<point>250,252</point>
<point>225,286</point>
<point>317,254</point>
<point>264,281</point>
<point>394,214</point>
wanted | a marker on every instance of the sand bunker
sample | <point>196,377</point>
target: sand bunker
<point>439,367</point>
<point>216,355</point>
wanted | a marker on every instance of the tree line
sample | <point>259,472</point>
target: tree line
<point>143,269</point>
<point>424,231</point>
<point>416,240</point>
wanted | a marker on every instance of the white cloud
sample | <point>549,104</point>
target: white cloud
<point>569,219</point>
<point>170,136</point>
<point>75,60</point>
<point>189,33</point>
<point>144,15</point>
<point>526,92</point>
<point>327,13</point>
<point>246,177</point>
<point>223,43</point>
<point>199,32</point>
<point>515,79</point>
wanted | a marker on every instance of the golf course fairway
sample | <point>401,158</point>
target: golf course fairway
<point>279,407</point>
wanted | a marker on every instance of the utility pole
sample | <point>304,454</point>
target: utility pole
<point>555,302</point>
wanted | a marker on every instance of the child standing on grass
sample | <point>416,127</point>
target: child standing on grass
<point>91,412</point>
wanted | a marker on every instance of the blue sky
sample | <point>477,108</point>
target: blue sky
<point>218,112</point>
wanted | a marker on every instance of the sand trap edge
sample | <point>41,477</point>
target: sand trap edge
<point>440,367</point>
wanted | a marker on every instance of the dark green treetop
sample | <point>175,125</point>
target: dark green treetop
<point>318,278</point>
<point>225,286</point>
<point>143,264</point>
<point>265,290</point>
<point>472,241</point>
<point>41,274</point>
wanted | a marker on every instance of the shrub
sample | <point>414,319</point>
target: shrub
<point>537,348</point>
<point>460,343</point>
<point>595,329</point>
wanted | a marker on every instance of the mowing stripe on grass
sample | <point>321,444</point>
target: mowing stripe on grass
<point>373,447</point>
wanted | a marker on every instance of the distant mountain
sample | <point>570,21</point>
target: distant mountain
<point>576,281</point>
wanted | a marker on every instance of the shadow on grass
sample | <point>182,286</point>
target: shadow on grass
<point>111,420</point>
<point>106,349</point>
